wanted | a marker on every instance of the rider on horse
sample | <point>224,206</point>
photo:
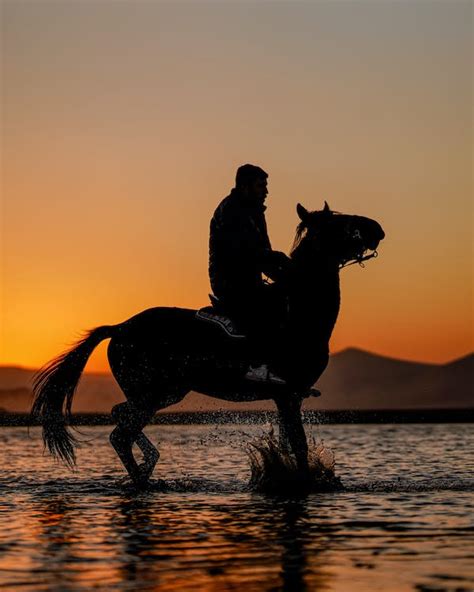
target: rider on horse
<point>239,253</point>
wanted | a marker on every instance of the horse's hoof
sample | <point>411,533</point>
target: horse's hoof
<point>141,484</point>
<point>145,471</point>
<point>133,485</point>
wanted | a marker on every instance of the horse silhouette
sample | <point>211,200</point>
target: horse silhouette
<point>161,354</point>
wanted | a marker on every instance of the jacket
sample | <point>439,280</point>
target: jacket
<point>239,248</point>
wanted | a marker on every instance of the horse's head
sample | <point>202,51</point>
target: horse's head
<point>343,237</point>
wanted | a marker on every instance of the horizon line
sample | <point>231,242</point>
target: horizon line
<point>338,352</point>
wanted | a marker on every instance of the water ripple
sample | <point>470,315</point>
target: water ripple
<point>403,521</point>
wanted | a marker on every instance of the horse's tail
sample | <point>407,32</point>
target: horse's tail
<point>54,386</point>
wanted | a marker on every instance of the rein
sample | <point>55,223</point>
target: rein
<point>359,260</point>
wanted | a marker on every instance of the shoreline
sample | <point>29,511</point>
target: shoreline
<point>350,416</point>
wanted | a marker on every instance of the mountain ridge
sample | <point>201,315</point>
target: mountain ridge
<point>355,379</point>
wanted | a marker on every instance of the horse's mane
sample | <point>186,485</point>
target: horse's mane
<point>302,228</point>
<point>299,236</point>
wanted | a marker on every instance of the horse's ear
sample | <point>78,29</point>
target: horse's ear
<point>326,208</point>
<point>302,212</point>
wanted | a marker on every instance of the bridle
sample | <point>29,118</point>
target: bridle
<point>360,260</point>
<point>351,234</point>
<point>354,235</point>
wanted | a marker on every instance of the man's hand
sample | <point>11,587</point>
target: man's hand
<point>276,265</point>
<point>280,260</point>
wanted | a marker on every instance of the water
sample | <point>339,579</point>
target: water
<point>405,521</point>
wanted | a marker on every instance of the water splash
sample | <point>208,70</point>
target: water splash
<point>274,470</point>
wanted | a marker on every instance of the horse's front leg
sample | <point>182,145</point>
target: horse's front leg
<point>292,431</point>
<point>283,440</point>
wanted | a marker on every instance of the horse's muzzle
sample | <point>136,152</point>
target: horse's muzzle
<point>373,241</point>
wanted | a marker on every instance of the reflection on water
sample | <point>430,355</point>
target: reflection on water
<point>404,522</point>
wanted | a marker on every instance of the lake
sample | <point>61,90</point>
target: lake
<point>405,520</point>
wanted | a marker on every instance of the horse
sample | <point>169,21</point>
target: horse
<point>163,353</point>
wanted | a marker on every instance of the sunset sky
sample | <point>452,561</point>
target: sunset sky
<point>124,122</point>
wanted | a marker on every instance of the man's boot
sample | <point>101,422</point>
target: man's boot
<point>263,374</point>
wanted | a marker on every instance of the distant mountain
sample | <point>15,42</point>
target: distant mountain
<point>354,379</point>
<point>96,392</point>
<point>359,380</point>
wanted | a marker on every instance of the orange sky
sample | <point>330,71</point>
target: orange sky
<point>123,124</point>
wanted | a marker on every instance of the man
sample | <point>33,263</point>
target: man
<point>239,252</point>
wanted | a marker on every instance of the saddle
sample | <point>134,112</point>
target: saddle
<point>212,314</point>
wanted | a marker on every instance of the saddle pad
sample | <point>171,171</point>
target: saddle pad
<point>206,314</point>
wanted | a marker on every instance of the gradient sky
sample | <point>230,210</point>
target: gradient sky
<point>123,124</point>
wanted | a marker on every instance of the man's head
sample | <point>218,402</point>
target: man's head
<point>251,181</point>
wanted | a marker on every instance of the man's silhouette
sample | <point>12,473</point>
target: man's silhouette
<point>239,252</point>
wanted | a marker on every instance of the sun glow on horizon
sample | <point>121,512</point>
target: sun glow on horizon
<point>124,125</point>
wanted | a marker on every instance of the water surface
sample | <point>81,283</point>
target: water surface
<point>404,522</point>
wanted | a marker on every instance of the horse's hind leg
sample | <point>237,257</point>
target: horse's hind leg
<point>130,422</point>
<point>150,456</point>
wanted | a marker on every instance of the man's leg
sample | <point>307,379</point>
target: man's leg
<point>266,333</point>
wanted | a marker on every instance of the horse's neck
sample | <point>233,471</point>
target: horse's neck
<point>314,298</point>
